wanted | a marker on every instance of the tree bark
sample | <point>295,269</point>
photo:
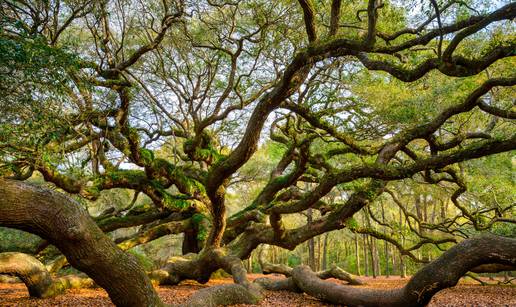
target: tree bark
<point>65,224</point>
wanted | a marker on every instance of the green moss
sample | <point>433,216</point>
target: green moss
<point>201,222</point>
<point>219,274</point>
<point>128,175</point>
<point>133,133</point>
<point>147,155</point>
<point>202,234</point>
<point>177,204</point>
<point>281,180</point>
<point>197,218</point>
<point>352,223</point>
<point>143,259</point>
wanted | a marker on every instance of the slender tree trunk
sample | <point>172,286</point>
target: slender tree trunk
<point>190,243</point>
<point>372,252</point>
<point>403,271</point>
<point>387,259</point>
<point>443,211</point>
<point>318,253</point>
<point>434,212</point>
<point>377,255</point>
<point>425,208</point>
<point>403,268</point>
<point>366,264</point>
<point>325,252</point>
<point>386,247</point>
<point>311,243</point>
<point>395,267</point>
<point>357,255</point>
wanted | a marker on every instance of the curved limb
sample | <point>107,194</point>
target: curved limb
<point>442,273</point>
<point>35,276</point>
<point>65,224</point>
<point>333,272</point>
<point>31,271</point>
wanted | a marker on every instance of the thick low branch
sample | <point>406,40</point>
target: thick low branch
<point>442,273</point>
<point>31,271</point>
<point>155,233</point>
<point>333,272</point>
<point>493,268</point>
<point>36,277</point>
<point>222,295</point>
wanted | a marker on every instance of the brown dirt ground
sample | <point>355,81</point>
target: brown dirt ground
<point>467,293</point>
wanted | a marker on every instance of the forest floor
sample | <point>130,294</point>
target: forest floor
<point>467,293</point>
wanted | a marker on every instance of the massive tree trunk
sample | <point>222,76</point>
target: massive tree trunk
<point>442,273</point>
<point>65,224</point>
